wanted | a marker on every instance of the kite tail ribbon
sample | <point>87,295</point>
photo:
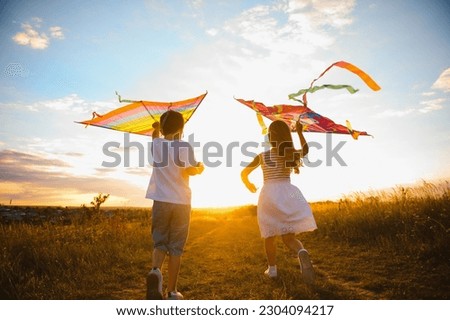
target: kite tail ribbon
<point>261,122</point>
<point>354,133</point>
<point>260,119</point>
<point>124,100</point>
<point>364,76</point>
<point>342,64</point>
<point>293,96</point>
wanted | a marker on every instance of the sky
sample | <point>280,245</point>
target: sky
<point>62,60</point>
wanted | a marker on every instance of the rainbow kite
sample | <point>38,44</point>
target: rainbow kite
<point>139,116</point>
<point>312,121</point>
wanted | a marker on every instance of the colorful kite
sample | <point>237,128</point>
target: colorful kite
<point>312,121</point>
<point>139,116</point>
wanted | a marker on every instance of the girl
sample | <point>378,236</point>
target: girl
<point>282,209</point>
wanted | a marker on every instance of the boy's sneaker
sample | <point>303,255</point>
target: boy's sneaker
<point>154,285</point>
<point>271,272</point>
<point>175,295</point>
<point>306,267</point>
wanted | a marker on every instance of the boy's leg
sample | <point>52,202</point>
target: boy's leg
<point>160,235</point>
<point>158,257</point>
<point>161,216</point>
<point>173,270</point>
<point>178,236</point>
<point>154,277</point>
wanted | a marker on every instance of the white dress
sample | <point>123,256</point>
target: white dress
<point>282,208</point>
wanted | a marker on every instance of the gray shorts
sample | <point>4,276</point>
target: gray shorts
<point>170,226</point>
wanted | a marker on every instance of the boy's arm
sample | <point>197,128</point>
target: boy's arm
<point>156,131</point>
<point>247,170</point>
<point>193,167</point>
<point>192,171</point>
<point>303,143</point>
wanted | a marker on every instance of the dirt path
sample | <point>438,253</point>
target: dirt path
<point>225,259</point>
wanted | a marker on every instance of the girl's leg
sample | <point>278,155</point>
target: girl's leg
<point>292,242</point>
<point>271,250</point>
<point>303,257</point>
<point>271,253</point>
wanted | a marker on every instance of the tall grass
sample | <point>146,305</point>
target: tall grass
<point>409,220</point>
<point>74,261</point>
<point>102,257</point>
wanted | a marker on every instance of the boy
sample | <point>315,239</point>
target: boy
<point>173,163</point>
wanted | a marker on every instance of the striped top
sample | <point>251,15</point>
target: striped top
<point>274,166</point>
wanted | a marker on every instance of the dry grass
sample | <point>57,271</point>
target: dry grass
<point>368,246</point>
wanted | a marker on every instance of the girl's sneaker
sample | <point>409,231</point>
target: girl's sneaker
<point>271,272</point>
<point>175,295</point>
<point>154,285</point>
<point>306,267</point>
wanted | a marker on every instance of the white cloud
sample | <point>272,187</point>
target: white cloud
<point>37,21</point>
<point>72,103</point>
<point>36,178</point>
<point>56,32</point>
<point>32,37</point>
<point>322,12</point>
<point>427,106</point>
<point>303,28</point>
<point>432,105</point>
<point>266,51</point>
<point>196,4</point>
<point>443,82</point>
<point>394,113</point>
<point>212,32</point>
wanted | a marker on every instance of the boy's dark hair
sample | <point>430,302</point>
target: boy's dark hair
<point>171,121</point>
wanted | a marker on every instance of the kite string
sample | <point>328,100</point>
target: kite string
<point>135,101</point>
<point>198,104</point>
<point>94,114</point>
<point>305,101</point>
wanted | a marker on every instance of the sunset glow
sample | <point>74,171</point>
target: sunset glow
<point>62,61</point>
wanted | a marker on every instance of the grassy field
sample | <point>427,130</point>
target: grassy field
<point>368,246</point>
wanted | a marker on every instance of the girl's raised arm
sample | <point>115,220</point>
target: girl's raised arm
<point>247,170</point>
<point>303,143</point>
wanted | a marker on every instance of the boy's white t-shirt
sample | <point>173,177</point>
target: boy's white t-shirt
<point>168,183</point>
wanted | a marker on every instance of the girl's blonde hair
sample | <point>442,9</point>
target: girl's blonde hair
<point>281,139</point>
